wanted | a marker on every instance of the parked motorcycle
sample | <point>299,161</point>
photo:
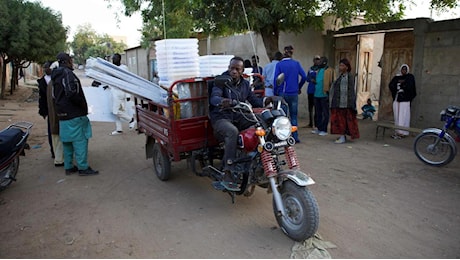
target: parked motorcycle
<point>260,162</point>
<point>436,146</point>
<point>13,141</point>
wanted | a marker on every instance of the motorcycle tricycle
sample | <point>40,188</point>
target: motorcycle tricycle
<point>266,156</point>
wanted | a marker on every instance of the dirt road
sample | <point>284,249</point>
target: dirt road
<point>376,199</point>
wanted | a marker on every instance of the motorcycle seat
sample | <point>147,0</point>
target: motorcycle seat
<point>9,138</point>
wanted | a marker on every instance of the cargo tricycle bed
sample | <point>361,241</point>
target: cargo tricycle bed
<point>182,126</point>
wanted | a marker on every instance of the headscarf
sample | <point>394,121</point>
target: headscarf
<point>400,68</point>
<point>54,65</point>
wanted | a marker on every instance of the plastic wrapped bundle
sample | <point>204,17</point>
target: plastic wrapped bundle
<point>112,75</point>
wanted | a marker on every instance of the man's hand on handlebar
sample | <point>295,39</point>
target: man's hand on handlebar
<point>227,102</point>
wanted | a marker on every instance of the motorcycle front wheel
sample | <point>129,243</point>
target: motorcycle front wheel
<point>432,151</point>
<point>9,173</point>
<point>301,218</point>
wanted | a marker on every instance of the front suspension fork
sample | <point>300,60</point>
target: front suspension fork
<point>277,196</point>
<point>270,172</point>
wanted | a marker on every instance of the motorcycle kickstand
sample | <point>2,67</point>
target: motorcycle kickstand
<point>232,195</point>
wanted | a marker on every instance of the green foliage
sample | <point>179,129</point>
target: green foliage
<point>87,43</point>
<point>177,22</point>
<point>29,32</point>
<point>83,40</point>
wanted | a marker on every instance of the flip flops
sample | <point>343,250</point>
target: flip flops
<point>395,136</point>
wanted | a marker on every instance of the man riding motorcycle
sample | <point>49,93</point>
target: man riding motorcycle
<point>226,123</point>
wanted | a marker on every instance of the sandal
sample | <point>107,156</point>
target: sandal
<point>395,136</point>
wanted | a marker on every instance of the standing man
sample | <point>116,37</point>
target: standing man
<point>120,99</point>
<point>72,110</point>
<point>43,104</point>
<point>324,80</point>
<point>311,79</point>
<point>269,74</point>
<point>291,87</point>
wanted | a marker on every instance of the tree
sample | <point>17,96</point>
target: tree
<point>177,19</point>
<point>87,43</point>
<point>266,17</point>
<point>29,33</point>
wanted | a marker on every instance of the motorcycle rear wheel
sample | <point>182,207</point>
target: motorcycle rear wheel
<point>9,173</point>
<point>302,214</point>
<point>431,154</point>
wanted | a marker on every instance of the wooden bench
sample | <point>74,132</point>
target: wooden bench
<point>389,125</point>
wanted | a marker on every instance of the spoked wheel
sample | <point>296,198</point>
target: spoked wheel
<point>432,151</point>
<point>161,163</point>
<point>9,173</point>
<point>301,218</point>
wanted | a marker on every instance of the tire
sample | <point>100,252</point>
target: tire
<point>302,214</point>
<point>439,155</point>
<point>161,163</point>
<point>10,171</point>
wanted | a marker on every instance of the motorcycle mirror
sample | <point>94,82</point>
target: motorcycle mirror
<point>280,79</point>
<point>222,80</point>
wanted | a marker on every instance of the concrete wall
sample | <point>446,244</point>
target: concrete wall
<point>438,56</point>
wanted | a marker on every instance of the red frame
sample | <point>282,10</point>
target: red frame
<point>177,136</point>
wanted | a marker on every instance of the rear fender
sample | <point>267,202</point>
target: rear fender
<point>298,177</point>
<point>438,131</point>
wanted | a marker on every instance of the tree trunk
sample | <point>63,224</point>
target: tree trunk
<point>5,63</point>
<point>2,78</point>
<point>270,35</point>
<point>14,79</point>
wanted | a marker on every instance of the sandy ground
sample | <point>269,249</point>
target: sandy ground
<point>376,200</point>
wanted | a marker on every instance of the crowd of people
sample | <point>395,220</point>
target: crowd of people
<point>332,99</point>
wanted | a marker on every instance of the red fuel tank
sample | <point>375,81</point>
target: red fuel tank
<point>249,139</point>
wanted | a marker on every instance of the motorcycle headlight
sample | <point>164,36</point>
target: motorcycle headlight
<point>282,128</point>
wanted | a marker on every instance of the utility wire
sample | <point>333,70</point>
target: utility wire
<point>250,33</point>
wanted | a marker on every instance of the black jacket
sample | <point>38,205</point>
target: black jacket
<point>241,92</point>
<point>42,100</point>
<point>406,90</point>
<point>68,94</point>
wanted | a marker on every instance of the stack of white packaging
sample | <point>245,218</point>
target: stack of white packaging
<point>213,65</point>
<point>177,59</point>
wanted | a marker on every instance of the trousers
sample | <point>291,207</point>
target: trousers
<point>80,149</point>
